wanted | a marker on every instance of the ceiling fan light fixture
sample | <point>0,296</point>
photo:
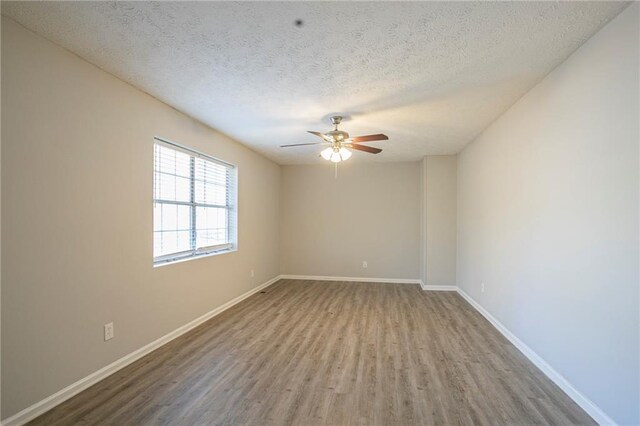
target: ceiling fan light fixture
<point>335,154</point>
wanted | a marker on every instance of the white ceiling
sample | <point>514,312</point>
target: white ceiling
<point>430,75</point>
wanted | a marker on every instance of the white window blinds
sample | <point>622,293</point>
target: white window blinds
<point>193,203</point>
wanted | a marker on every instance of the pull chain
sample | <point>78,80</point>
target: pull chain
<point>336,171</point>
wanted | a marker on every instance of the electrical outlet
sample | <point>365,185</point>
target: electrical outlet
<point>482,287</point>
<point>364,264</point>
<point>108,331</point>
<point>253,273</point>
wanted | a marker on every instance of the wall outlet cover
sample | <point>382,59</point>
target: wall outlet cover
<point>108,331</point>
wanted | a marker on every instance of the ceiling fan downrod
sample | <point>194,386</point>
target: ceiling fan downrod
<point>336,120</point>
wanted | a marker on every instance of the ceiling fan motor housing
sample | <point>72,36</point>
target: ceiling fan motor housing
<point>337,135</point>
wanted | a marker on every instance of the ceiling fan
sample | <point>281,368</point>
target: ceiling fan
<point>339,141</point>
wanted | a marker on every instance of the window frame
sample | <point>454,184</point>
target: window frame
<point>231,207</point>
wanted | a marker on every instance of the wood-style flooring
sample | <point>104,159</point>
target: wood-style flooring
<point>311,352</point>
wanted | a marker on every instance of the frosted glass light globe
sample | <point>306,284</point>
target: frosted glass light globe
<point>345,154</point>
<point>326,153</point>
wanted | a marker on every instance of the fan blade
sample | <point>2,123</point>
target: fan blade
<point>369,138</point>
<point>317,134</point>
<point>365,148</point>
<point>303,144</point>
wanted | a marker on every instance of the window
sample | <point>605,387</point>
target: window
<point>194,203</point>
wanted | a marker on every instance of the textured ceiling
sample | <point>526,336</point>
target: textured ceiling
<point>430,75</point>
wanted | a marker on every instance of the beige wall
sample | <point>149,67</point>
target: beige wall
<point>440,174</point>
<point>371,212</point>
<point>0,228</point>
<point>76,211</point>
<point>548,219</point>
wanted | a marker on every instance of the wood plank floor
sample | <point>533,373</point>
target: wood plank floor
<point>310,352</point>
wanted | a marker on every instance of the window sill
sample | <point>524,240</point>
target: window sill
<point>195,257</point>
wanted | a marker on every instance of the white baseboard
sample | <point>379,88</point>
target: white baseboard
<point>426,287</point>
<point>585,403</point>
<point>352,279</point>
<point>59,397</point>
